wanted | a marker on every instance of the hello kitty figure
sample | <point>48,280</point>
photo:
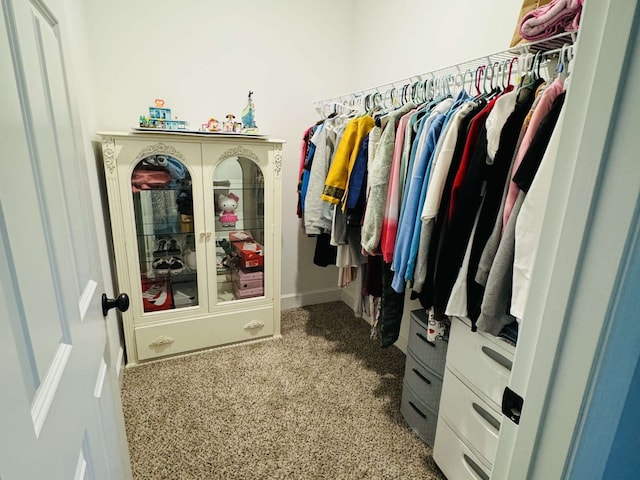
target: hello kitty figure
<point>228,205</point>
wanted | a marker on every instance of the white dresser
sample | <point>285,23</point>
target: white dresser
<point>477,371</point>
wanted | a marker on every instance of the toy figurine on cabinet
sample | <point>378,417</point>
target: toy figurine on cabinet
<point>229,124</point>
<point>248,117</point>
<point>213,125</point>
<point>228,205</point>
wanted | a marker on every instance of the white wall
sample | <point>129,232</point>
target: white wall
<point>401,38</point>
<point>202,57</point>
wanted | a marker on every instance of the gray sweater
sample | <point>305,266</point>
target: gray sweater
<point>497,296</point>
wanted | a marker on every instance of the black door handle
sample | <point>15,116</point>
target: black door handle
<point>121,303</point>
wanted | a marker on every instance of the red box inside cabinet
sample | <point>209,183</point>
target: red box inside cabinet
<point>156,294</point>
<point>250,254</point>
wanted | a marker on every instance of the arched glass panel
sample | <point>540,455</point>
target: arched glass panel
<point>238,190</point>
<point>163,207</point>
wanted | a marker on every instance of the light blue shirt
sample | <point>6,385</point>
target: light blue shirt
<point>410,212</point>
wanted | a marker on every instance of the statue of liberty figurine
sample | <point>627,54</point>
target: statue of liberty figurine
<point>248,119</point>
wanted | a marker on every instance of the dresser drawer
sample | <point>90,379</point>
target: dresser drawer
<point>423,382</point>
<point>433,354</point>
<point>480,361</point>
<point>470,417</point>
<point>157,340</point>
<point>420,418</point>
<point>455,458</point>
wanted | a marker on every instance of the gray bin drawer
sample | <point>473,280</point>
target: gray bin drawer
<point>432,354</point>
<point>421,419</point>
<point>423,382</point>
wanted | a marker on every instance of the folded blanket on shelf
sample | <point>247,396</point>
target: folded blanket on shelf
<point>556,17</point>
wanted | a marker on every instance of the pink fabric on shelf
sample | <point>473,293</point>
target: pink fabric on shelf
<point>148,177</point>
<point>551,19</point>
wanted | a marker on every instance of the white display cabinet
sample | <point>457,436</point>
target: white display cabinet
<point>195,221</point>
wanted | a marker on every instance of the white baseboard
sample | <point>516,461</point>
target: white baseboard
<point>310,298</point>
<point>402,343</point>
<point>348,297</point>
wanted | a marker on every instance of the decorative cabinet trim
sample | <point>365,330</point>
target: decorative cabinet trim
<point>161,340</point>
<point>159,148</point>
<point>277,161</point>
<point>240,151</point>
<point>254,324</point>
<point>109,153</point>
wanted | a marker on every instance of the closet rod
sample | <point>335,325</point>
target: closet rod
<point>546,48</point>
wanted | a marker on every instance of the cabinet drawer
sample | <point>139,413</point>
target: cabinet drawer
<point>455,458</point>
<point>423,382</point>
<point>432,354</point>
<point>470,417</point>
<point>182,336</point>
<point>420,418</point>
<point>480,361</point>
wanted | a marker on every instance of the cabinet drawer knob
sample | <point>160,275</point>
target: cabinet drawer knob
<point>253,324</point>
<point>498,358</point>
<point>161,340</point>
<point>418,411</point>
<point>421,376</point>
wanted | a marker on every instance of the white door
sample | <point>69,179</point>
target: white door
<point>60,413</point>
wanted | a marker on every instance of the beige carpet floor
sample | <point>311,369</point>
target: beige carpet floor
<point>323,402</point>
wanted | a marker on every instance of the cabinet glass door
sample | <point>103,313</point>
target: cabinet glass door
<point>163,207</point>
<point>238,191</point>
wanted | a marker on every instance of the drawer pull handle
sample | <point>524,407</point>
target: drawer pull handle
<point>474,466</point>
<point>161,340</point>
<point>424,339</point>
<point>490,419</point>
<point>422,377</point>
<point>496,357</point>
<point>418,411</point>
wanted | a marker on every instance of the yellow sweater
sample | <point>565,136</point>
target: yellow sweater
<point>335,186</point>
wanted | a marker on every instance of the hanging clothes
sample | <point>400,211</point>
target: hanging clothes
<point>379,182</point>
<point>546,101</point>
<point>495,311</point>
<point>529,225</point>
<point>338,176</point>
<point>445,197</point>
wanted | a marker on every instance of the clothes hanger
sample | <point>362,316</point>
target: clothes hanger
<point>570,58</point>
<point>513,60</point>
<point>451,85</point>
<point>494,80</point>
<point>479,75</point>
<point>417,92</point>
<point>464,82</point>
